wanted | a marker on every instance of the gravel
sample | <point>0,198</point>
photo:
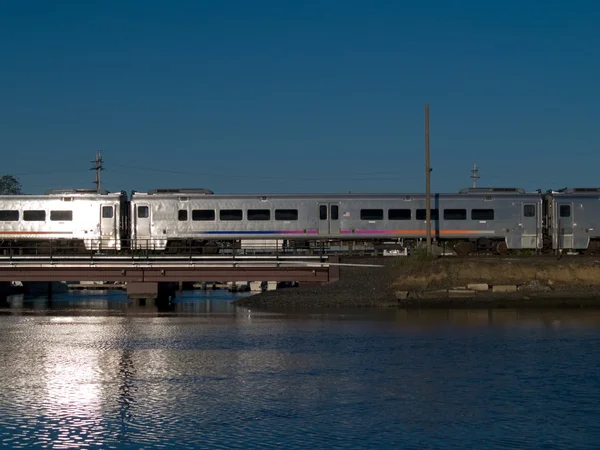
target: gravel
<point>357,287</point>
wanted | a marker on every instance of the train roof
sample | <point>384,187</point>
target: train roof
<point>577,191</point>
<point>72,193</point>
<point>75,191</point>
<point>202,191</point>
<point>492,190</point>
<point>338,196</point>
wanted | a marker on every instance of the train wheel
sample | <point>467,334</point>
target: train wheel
<point>502,248</point>
<point>463,248</point>
<point>46,248</point>
<point>210,248</point>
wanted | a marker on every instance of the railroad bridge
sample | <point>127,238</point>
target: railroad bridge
<point>150,276</point>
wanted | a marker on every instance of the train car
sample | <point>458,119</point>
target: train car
<point>157,218</point>
<point>573,218</point>
<point>62,221</point>
<point>473,219</point>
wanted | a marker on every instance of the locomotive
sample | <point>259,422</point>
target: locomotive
<point>198,220</point>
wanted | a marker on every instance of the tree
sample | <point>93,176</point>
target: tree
<point>9,185</point>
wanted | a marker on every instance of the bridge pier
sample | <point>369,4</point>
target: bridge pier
<point>150,290</point>
<point>4,291</point>
<point>334,269</point>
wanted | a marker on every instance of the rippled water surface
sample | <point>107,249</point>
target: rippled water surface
<point>94,371</point>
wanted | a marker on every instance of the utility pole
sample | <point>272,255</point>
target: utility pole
<point>98,167</point>
<point>475,177</point>
<point>427,183</point>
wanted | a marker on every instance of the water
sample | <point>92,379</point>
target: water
<point>93,371</point>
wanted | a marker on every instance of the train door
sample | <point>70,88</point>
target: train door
<point>329,219</point>
<point>565,225</point>
<point>142,226</point>
<point>530,232</point>
<point>108,227</point>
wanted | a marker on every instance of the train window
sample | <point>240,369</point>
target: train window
<point>107,212</point>
<point>482,214</point>
<point>182,215</point>
<point>335,212</point>
<point>203,214</point>
<point>529,210</point>
<point>231,214</point>
<point>371,214</point>
<point>143,212</point>
<point>259,214</point>
<point>7,215</point>
<point>564,211</point>
<point>323,212</point>
<point>422,214</point>
<point>286,214</point>
<point>34,216</point>
<point>399,214</point>
<point>62,216</point>
<point>455,214</point>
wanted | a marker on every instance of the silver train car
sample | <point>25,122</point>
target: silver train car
<point>573,219</point>
<point>70,220</point>
<point>473,219</point>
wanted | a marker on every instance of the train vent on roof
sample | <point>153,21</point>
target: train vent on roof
<point>574,190</point>
<point>492,190</point>
<point>75,191</point>
<point>181,191</point>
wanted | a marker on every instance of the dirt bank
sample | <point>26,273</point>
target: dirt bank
<point>450,272</point>
<point>449,282</point>
<point>357,287</point>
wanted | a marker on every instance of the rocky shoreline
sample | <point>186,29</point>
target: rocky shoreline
<point>526,282</point>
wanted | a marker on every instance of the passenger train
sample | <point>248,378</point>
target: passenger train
<point>177,220</point>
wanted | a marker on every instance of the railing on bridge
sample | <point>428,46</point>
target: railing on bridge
<point>149,247</point>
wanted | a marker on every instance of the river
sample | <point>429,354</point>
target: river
<point>96,371</point>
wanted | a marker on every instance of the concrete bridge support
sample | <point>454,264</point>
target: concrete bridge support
<point>150,290</point>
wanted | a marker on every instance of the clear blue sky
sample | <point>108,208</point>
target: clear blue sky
<point>307,96</point>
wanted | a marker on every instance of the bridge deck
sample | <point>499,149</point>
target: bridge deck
<point>318,269</point>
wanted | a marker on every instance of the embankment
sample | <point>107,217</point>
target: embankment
<point>449,282</point>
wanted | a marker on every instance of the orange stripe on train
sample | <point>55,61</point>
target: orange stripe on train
<point>34,232</point>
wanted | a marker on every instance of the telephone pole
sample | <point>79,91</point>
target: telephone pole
<point>427,183</point>
<point>475,177</point>
<point>98,167</point>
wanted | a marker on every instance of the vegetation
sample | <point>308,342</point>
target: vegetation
<point>417,259</point>
<point>9,185</point>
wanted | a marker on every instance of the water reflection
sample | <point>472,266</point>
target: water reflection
<point>117,302</point>
<point>541,318</point>
<point>219,304</point>
<point>72,399</point>
<point>209,375</point>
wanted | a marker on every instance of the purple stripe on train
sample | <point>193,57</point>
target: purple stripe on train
<point>367,232</point>
<point>269,232</point>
